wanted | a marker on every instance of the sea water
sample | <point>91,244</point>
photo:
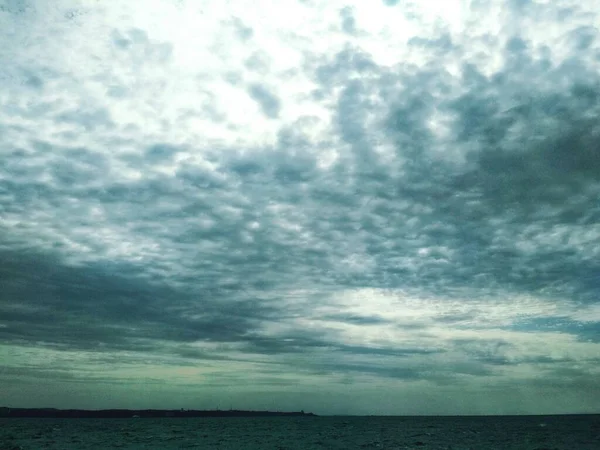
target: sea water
<point>574,432</point>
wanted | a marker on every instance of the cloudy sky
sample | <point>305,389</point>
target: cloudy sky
<point>368,207</point>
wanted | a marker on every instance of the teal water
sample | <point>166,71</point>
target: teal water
<point>447,433</point>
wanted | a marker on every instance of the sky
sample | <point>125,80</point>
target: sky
<point>368,207</point>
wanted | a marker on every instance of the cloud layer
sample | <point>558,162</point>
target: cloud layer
<point>331,197</point>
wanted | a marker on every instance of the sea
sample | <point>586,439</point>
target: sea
<point>572,432</point>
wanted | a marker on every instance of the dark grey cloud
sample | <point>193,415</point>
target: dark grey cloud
<point>584,331</point>
<point>355,319</point>
<point>348,20</point>
<point>110,305</point>
<point>466,211</point>
<point>530,170</point>
<point>244,32</point>
<point>492,352</point>
<point>435,373</point>
<point>159,153</point>
<point>269,103</point>
<point>16,6</point>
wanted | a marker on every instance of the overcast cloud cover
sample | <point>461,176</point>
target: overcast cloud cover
<point>369,207</point>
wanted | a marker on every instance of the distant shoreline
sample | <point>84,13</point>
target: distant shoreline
<point>6,412</point>
<point>140,413</point>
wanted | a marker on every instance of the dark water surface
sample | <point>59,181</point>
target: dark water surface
<point>456,433</point>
